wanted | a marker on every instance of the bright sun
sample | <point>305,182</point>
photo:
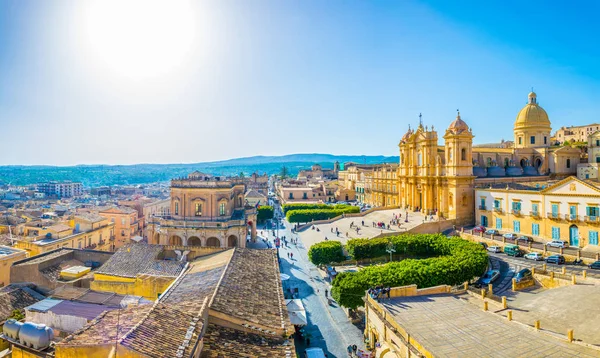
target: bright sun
<point>139,38</point>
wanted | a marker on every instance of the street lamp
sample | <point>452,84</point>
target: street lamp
<point>390,249</point>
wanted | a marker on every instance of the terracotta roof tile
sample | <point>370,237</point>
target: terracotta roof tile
<point>221,342</point>
<point>251,289</point>
<point>140,259</point>
<point>17,297</point>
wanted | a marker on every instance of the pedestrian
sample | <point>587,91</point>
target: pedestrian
<point>326,292</point>
<point>292,255</point>
<point>354,348</point>
<point>349,349</point>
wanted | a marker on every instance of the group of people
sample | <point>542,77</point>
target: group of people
<point>379,292</point>
<point>381,225</point>
<point>352,349</point>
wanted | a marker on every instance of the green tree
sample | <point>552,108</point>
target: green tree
<point>241,175</point>
<point>326,252</point>
<point>284,173</point>
<point>265,212</point>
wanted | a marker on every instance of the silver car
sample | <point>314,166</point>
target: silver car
<point>494,249</point>
<point>536,256</point>
<point>558,243</point>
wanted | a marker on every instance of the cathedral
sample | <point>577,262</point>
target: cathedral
<point>440,179</point>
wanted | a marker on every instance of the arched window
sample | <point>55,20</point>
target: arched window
<point>568,163</point>
<point>506,162</point>
<point>463,154</point>
<point>222,208</point>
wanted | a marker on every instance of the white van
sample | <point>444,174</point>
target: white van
<point>314,352</point>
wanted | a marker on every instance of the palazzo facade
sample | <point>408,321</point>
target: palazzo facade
<point>205,211</point>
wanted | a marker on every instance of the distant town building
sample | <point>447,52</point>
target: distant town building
<point>8,255</point>
<point>61,189</point>
<point>126,221</point>
<point>575,133</point>
<point>317,172</point>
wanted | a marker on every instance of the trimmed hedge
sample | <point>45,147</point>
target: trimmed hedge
<point>265,212</point>
<point>326,252</point>
<point>308,215</point>
<point>458,261</point>
<point>301,206</point>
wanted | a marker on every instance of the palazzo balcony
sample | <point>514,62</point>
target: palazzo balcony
<point>498,210</point>
<point>534,214</point>
<point>592,219</point>
<point>516,212</point>
<point>554,216</point>
<point>483,208</point>
<point>571,218</point>
<point>238,218</point>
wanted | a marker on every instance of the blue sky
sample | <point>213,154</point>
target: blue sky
<point>102,82</point>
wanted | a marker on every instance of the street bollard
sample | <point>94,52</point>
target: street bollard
<point>545,250</point>
<point>482,293</point>
<point>561,250</point>
<point>537,324</point>
<point>462,229</point>
<point>509,315</point>
<point>570,335</point>
<point>544,267</point>
<point>573,279</point>
<point>564,270</point>
<point>514,284</point>
<point>503,240</point>
<point>504,304</point>
<point>533,270</point>
<point>481,234</point>
<point>485,305</point>
<point>466,285</point>
<point>584,273</point>
<point>598,257</point>
<point>552,275</point>
<point>578,254</point>
<point>530,246</point>
<point>491,289</point>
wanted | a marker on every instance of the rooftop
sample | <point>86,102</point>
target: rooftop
<point>89,217</point>
<point>17,297</point>
<point>140,259</point>
<point>251,289</point>
<point>448,326</point>
<point>226,342</point>
<point>79,294</point>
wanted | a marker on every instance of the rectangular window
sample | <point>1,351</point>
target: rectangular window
<point>535,209</point>
<point>498,223</point>
<point>517,226</point>
<point>555,233</point>
<point>496,204</point>
<point>535,229</point>
<point>198,209</point>
<point>482,203</point>
<point>597,142</point>
<point>516,206</point>
<point>554,210</point>
<point>573,212</point>
<point>532,139</point>
<point>594,238</point>
<point>520,140</point>
<point>176,208</point>
<point>484,220</point>
<point>222,208</point>
<point>592,212</point>
<point>291,195</point>
<point>545,140</point>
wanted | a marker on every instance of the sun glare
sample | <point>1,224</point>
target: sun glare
<point>139,39</point>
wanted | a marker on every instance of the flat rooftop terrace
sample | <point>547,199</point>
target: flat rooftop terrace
<point>448,326</point>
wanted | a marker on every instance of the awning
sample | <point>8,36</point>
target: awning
<point>298,318</point>
<point>294,305</point>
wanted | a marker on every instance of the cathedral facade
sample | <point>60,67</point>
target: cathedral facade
<point>440,179</point>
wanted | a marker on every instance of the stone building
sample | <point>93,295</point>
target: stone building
<point>439,179</point>
<point>575,133</point>
<point>205,211</point>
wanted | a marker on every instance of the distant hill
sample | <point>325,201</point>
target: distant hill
<point>101,175</point>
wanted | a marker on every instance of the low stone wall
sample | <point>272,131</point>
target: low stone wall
<point>351,215</point>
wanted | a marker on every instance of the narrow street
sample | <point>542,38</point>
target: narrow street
<point>328,326</point>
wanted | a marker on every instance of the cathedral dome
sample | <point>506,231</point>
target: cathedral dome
<point>532,114</point>
<point>458,126</point>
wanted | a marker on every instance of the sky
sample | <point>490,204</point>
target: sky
<point>124,82</point>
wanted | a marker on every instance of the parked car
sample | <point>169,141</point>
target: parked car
<point>489,277</point>
<point>485,246</point>
<point>492,232</point>
<point>557,243</point>
<point>314,352</point>
<point>524,238</point>
<point>510,236</point>
<point>595,265</point>
<point>555,259</point>
<point>478,229</point>
<point>513,250</point>
<point>524,275</point>
<point>494,249</point>
<point>536,256</point>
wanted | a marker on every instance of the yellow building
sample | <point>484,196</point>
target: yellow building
<point>8,255</point>
<point>440,180</point>
<point>205,211</point>
<point>83,232</point>
<point>567,210</point>
<point>126,222</point>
